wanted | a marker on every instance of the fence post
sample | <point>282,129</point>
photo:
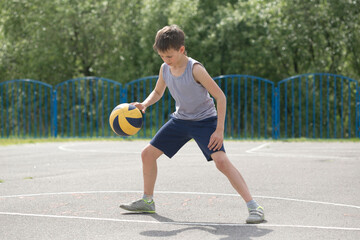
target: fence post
<point>54,113</point>
<point>358,111</point>
<point>277,113</point>
<point>123,91</point>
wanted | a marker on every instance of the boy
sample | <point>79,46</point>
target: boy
<point>190,85</point>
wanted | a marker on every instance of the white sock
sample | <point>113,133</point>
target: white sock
<point>252,204</point>
<point>148,198</point>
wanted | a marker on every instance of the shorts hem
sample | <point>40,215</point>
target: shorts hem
<point>209,159</point>
<point>160,148</point>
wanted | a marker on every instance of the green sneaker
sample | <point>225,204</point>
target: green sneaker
<point>256,215</point>
<point>140,206</point>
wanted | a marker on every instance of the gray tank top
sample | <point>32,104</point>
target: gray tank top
<point>193,101</point>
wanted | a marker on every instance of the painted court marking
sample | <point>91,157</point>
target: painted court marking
<point>67,148</point>
<point>181,223</point>
<point>183,193</point>
<point>177,223</point>
<point>70,148</point>
<point>272,154</point>
<point>253,151</point>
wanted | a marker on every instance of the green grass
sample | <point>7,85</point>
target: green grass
<point>1,181</point>
<point>17,141</point>
<point>26,178</point>
<point>320,140</point>
<point>296,140</point>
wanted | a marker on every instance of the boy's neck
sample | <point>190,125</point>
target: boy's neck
<point>182,63</point>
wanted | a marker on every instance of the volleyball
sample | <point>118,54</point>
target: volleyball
<point>125,119</point>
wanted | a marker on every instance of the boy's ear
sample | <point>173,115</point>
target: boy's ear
<point>182,49</point>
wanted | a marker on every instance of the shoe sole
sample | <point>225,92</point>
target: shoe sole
<point>255,222</point>
<point>137,211</point>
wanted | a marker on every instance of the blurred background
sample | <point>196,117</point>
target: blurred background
<point>289,68</point>
<point>52,41</point>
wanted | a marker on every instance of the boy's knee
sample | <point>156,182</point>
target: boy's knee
<point>146,153</point>
<point>221,160</point>
<point>150,153</point>
<point>221,165</point>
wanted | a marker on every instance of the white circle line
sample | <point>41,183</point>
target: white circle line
<point>248,153</point>
<point>179,223</point>
<point>252,150</point>
<point>67,149</point>
<point>181,193</point>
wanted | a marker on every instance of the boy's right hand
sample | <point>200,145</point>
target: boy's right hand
<point>140,106</point>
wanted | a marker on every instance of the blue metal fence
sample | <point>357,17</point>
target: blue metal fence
<point>318,105</point>
<point>25,108</point>
<point>250,103</point>
<point>83,105</point>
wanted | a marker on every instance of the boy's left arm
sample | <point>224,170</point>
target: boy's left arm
<point>202,76</point>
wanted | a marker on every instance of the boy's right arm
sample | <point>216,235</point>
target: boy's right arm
<point>155,95</point>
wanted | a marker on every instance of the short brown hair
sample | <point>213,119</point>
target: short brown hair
<point>169,37</point>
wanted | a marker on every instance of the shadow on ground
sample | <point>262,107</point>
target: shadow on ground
<point>224,232</point>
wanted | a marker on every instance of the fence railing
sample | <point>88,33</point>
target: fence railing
<point>82,106</point>
<point>26,108</point>
<point>318,105</point>
<point>250,104</point>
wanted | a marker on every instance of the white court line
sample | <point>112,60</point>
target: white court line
<point>67,148</point>
<point>182,193</point>
<point>299,155</point>
<point>272,154</point>
<point>257,148</point>
<point>179,223</point>
<point>251,152</point>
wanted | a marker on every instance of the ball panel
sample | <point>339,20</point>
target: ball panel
<point>135,113</point>
<point>117,128</point>
<point>136,122</point>
<point>126,126</point>
<point>131,107</point>
<point>112,117</point>
<point>122,106</point>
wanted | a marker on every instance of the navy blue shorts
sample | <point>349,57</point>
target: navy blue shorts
<point>176,132</point>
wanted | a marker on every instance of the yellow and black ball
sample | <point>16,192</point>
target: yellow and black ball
<point>125,119</point>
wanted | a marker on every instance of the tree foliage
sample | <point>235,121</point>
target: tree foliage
<point>57,40</point>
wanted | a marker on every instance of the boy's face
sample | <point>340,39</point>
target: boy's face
<point>172,56</point>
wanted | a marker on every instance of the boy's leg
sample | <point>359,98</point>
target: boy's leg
<point>149,155</point>
<point>228,169</point>
<point>168,140</point>
<point>256,212</point>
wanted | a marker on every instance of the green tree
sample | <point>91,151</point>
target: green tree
<point>56,40</point>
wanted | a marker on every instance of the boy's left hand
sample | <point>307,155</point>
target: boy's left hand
<point>216,140</point>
